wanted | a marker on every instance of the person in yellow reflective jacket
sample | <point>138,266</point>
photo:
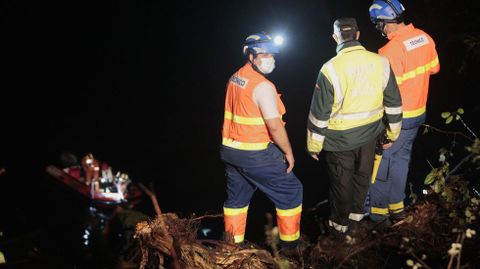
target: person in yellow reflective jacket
<point>413,57</point>
<point>255,146</point>
<point>354,93</point>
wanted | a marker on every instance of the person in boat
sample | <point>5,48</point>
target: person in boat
<point>91,169</point>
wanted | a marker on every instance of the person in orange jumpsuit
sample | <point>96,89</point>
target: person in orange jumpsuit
<point>413,58</point>
<point>255,146</point>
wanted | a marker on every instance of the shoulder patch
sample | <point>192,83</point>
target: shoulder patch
<point>239,81</point>
<point>415,42</point>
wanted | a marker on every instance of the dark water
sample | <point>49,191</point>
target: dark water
<point>50,226</point>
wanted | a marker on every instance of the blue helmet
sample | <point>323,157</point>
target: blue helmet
<point>388,11</point>
<point>259,43</point>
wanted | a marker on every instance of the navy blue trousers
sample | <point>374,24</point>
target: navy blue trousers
<point>247,171</point>
<point>388,192</point>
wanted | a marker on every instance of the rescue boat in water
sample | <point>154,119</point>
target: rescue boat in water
<point>96,182</point>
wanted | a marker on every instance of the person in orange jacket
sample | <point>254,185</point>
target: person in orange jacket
<point>255,148</point>
<point>413,58</point>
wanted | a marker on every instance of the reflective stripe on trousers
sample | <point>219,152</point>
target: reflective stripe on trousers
<point>388,192</point>
<point>264,170</point>
<point>349,173</point>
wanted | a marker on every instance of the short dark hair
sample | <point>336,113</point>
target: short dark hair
<point>346,28</point>
<point>347,36</point>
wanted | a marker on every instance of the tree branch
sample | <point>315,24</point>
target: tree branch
<point>448,133</point>
<point>458,166</point>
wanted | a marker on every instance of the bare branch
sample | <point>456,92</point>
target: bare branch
<point>208,216</point>
<point>448,132</point>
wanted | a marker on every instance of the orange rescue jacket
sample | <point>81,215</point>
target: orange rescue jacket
<point>243,125</point>
<point>413,58</point>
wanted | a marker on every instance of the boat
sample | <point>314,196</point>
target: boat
<point>105,189</point>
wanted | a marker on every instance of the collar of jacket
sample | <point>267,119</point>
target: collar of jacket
<point>402,31</point>
<point>348,46</point>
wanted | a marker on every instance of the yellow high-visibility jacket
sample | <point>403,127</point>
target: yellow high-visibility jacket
<point>354,90</point>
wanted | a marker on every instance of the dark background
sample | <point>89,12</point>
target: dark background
<point>140,84</point>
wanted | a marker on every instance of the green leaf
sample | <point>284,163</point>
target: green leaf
<point>437,186</point>
<point>460,110</point>
<point>446,114</point>
<point>430,177</point>
<point>449,119</point>
<point>457,117</point>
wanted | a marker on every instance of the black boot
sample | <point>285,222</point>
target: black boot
<point>396,217</point>
<point>290,249</point>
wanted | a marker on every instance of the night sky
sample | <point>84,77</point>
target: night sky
<point>141,86</point>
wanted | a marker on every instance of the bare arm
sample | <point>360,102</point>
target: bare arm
<point>265,96</point>
<point>280,137</point>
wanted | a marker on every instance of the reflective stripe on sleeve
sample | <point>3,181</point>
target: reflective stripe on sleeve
<point>395,126</point>
<point>318,123</point>
<point>393,110</point>
<point>314,136</point>
<point>386,72</point>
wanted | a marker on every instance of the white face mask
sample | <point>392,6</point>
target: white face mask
<point>266,65</point>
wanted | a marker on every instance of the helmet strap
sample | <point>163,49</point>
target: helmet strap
<point>250,52</point>
<point>380,26</point>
